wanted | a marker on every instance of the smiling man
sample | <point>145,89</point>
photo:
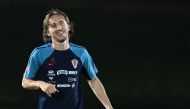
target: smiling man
<point>54,68</point>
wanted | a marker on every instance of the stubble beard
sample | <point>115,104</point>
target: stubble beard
<point>60,40</point>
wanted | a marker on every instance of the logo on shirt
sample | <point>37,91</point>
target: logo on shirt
<point>52,61</point>
<point>73,72</point>
<point>51,73</point>
<point>73,85</point>
<point>63,85</point>
<point>74,63</point>
<point>71,79</point>
<point>51,78</point>
<point>60,72</point>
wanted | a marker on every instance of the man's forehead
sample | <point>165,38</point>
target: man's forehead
<point>56,18</point>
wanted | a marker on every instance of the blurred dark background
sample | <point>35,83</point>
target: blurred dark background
<point>141,49</point>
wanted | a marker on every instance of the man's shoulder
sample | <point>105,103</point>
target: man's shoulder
<point>76,46</point>
<point>47,45</point>
<point>78,49</point>
<point>41,48</point>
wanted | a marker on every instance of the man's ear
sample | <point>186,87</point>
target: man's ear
<point>48,33</point>
<point>69,27</point>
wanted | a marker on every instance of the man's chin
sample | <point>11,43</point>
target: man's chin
<point>62,40</point>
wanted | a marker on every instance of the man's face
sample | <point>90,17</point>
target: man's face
<point>58,28</point>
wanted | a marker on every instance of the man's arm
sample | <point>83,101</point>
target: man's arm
<point>35,85</point>
<point>100,92</point>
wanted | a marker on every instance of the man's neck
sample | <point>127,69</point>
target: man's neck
<point>60,45</point>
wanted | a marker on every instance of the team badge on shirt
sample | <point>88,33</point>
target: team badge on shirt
<point>74,63</point>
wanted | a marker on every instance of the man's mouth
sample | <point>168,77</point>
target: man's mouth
<point>60,33</point>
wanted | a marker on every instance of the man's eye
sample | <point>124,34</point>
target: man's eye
<point>61,23</point>
<point>53,26</point>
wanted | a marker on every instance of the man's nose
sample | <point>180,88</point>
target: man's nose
<point>59,27</point>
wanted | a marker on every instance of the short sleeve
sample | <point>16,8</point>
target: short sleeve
<point>89,65</point>
<point>32,66</point>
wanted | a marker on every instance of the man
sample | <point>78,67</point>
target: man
<point>55,67</point>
